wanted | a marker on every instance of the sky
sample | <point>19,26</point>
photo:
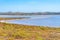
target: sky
<point>30,5</point>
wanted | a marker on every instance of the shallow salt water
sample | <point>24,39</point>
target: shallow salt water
<point>48,20</point>
<point>18,16</point>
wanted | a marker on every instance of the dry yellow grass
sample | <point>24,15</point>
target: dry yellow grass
<point>25,32</point>
<point>11,18</point>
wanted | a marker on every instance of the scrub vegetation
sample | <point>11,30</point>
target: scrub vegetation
<point>11,18</point>
<point>26,32</point>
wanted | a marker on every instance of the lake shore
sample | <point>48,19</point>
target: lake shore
<point>11,18</point>
<point>26,32</point>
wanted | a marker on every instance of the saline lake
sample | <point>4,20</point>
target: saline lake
<point>38,20</point>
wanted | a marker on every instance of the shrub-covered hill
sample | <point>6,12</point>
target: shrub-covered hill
<point>27,32</point>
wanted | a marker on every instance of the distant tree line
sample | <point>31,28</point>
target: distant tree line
<point>37,13</point>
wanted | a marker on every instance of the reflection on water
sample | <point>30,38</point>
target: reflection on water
<point>17,16</point>
<point>47,20</point>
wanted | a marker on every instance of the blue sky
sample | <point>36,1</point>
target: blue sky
<point>30,5</point>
